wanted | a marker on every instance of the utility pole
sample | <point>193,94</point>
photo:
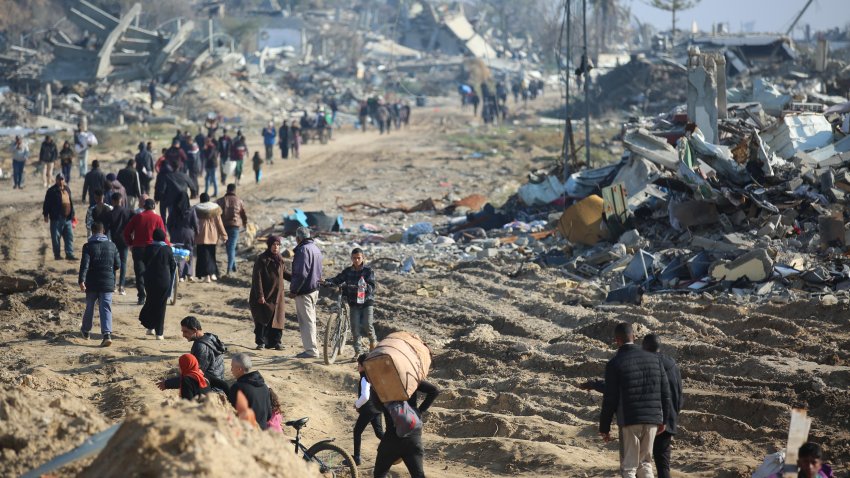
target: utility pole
<point>568,127</point>
<point>586,89</point>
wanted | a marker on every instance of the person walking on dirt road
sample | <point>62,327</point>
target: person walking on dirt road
<point>138,234</point>
<point>637,390</point>
<point>252,385</point>
<point>47,156</point>
<point>269,136</point>
<point>234,218</point>
<point>366,410</point>
<point>210,231</point>
<point>266,299</point>
<point>94,180</point>
<point>160,266</point>
<point>118,220</point>
<point>408,448</point>
<point>129,178</point>
<point>304,287</point>
<point>98,264</point>
<point>20,155</point>
<point>661,448</point>
<point>58,210</point>
<point>360,308</point>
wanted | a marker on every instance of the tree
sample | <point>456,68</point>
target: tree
<point>673,6</point>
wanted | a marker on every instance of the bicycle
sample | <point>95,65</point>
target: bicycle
<point>180,255</point>
<point>337,328</point>
<point>333,461</point>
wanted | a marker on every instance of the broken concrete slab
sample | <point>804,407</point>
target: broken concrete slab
<point>755,266</point>
<point>653,148</point>
<point>695,213</point>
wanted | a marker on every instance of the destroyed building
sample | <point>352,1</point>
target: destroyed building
<point>439,28</point>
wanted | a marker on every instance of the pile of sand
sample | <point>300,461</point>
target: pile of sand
<point>35,428</point>
<point>182,438</point>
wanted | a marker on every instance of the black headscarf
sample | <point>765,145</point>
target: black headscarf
<point>276,258</point>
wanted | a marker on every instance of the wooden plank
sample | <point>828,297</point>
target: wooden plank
<point>798,433</point>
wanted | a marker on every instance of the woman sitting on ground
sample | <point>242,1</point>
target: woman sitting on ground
<point>191,381</point>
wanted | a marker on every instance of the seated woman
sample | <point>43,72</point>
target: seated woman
<point>191,381</point>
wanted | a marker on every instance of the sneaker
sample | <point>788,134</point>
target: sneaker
<point>71,257</point>
<point>85,335</point>
<point>192,279</point>
<point>213,277</point>
<point>182,279</point>
<point>107,341</point>
<point>160,337</point>
<point>121,291</point>
<point>356,460</point>
<point>278,347</point>
<point>305,355</point>
<point>57,258</point>
<point>260,346</point>
<point>150,332</point>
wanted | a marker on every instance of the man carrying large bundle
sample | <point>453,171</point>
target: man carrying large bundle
<point>397,369</point>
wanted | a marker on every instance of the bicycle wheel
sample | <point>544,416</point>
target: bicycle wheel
<point>335,334</point>
<point>174,281</point>
<point>333,461</point>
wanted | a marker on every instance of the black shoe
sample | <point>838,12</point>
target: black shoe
<point>71,257</point>
<point>107,341</point>
<point>356,460</point>
<point>260,346</point>
<point>57,258</point>
<point>305,355</point>
<point>141,301</point>
<point>278,347</point>
<point>85,335</point>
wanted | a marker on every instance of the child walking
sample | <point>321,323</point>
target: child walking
<point>369,413</point>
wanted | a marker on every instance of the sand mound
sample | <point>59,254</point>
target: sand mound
<point>183,438</point>
<point>35,428</point>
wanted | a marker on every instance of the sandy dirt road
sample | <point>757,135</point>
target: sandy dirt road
<point>509,349</point>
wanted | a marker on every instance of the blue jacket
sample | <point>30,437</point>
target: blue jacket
<point>306,268</point>
<point>269,135</point>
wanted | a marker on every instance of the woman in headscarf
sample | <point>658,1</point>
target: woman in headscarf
<point>267,294</point>
<point>191,382</point>
<point>182,228</point>
<point>210,232</point>
<point>159,275</point>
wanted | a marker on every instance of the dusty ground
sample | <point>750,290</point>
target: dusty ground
<point>509,351</point>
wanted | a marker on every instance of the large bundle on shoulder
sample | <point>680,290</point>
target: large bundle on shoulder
<point>397,365</point>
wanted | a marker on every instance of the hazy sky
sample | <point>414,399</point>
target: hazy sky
<point>766,15</point>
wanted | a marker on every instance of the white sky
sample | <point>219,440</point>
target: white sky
<point>766,15</point>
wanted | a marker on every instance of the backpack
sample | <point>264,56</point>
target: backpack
<point>405,418</point>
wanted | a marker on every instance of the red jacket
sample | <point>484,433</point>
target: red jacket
<point>139,231</point>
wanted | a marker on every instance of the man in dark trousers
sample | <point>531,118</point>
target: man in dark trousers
<point>661,448</point>
<point>95,181</point>
<point>251,384</point>
<point>637,390</point>
<point>97,279</point>
<point>129,178</point>
<point>138,234</point>
<point>47,156</point>
<point>144,166</point>
<point>119,217</point>
<point>58,210</point>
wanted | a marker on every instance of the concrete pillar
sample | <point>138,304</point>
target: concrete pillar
<point>702,93</point>
<point>720,61</point>
<point>49,94</point>
<point>821,55</point>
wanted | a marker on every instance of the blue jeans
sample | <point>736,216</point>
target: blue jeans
<point>232,239</point>
<point>104,300</point>
<point>18,173</point>
<point>122,255</point>
<point>66,172</point>
<point>210,179</point>
<point>361,324</point>
<point>62,229</point>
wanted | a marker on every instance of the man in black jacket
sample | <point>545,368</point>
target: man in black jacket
<point>95,181</point>
<point>129,178</point>
<point>97,279</point>
<point>661,447</point>
<point>253,386</point>
<point>47,156</point>
<point>206,347</point>
<point>144,167</point>
<point>636,389</point>
<point>58,209</point>
<point>118,219</point>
